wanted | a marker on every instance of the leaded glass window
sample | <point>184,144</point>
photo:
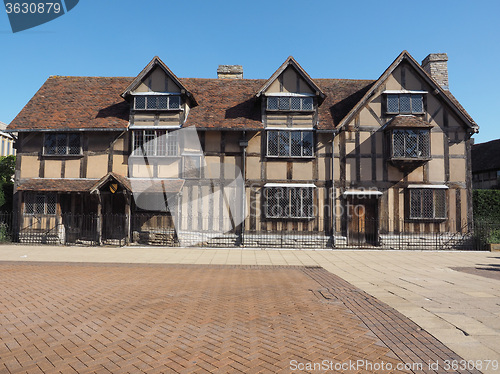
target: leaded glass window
<point>405,103</point>
<point>427,203</point>
<point>157,102</point>
<point>412,143</point>
<point>289,143</point>
<point>289,202</point>
<point>155,143</point>
<point>62,144</point>
<point>290,103</point>
<point>40,204</point>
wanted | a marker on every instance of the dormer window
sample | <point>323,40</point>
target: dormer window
<point>290,103</point>
<point>157,102</point>
<point>405,103</point>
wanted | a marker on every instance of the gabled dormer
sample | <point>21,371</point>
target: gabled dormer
<point>157,97</point>
<point>290,90</point>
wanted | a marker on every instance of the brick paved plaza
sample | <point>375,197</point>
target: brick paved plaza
<point>129,318</point>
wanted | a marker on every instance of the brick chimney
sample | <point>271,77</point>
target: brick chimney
<point>436,65</point>
<point>230,72</point>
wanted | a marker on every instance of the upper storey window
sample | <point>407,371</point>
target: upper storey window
<point>157,102</point>
<point>290,103</point>
<point>62,144</point>
<point>405,103</point>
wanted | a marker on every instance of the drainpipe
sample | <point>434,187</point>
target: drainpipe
<point>332,196</point>
<point>243,144</point>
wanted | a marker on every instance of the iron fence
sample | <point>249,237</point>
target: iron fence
<point>164,230</point>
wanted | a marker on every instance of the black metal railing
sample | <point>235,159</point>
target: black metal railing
<point>164,230</point>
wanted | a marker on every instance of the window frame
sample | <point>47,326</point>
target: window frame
<point>186,174</point>
<point>412,95</point>
<point>34,196</point>
<point>423,199</point>
<point>290,194</point>
<point>290,145</point>
<point>289,99</point>
<point>67,144</point>
<point>170,138</point>
<point>156,97</point>
<point>406,132</point>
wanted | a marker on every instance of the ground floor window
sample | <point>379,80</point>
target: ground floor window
<point>427,203</point>
<point>289,202</point>
<point>38,203</point>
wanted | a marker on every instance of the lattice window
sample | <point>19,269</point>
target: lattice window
<point>284,103</point>
<point>161,143</point>
<point>163,102</point>
<point>427,203</point>
<point>307,103</point>
<point>192,166</point>
<point>417,103</point>
<point>62,144</point>
<point>157,102</point>
<point>410,143</point>
<point>295,103</point>
<point>405,103</point>
<point>289,202</point>
<point>174,102</point>
<point>40,204</point>
<point>284,143</point>
<point>140,102</point>
<point>272,103</point>
<point>289,143</point>
<point>392,104</point>
<point>290,103</point>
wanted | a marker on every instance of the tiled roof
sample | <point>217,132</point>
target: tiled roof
<point>57,185</point>
<point>407,121</point>
<point>486,156</point>
<point>156,185</point>
<point>64,103</point>
<point>76,103</point>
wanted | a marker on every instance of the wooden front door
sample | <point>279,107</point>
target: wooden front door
<point>362,215</point>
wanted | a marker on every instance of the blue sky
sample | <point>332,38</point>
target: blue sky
<point>330,39</point>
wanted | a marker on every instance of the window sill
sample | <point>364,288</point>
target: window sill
<point>62,156</point>
<point>293,219</point>
<point>426,220</point>
<point>291,157</point>
<point>290,111</point>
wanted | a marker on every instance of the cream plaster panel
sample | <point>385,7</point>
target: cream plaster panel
<point>394,174</point>
<point>392,83</point>
<point>412,81</point>
<point>366,169</point>
<point>212,141</point>
<point>457,148</point>
<point>169,169</point>
<point>232,141</point>
<point>380,169</point>
<point>350,168</point>
<point>324,168</point>
<point>437,146</point>
<point>213,166</point>
<point>97,166</point>
<point>436,170</point>
<point>253,167</point>
<point>457,170</point>
<point>30,167</point>
<point>302,171</point>
<point>53,168</point>
<point>417,175</point>
<point>72,169</point>
<point>349,148</point>
<point>276,170</point>
<point>452,205</point>
<point>254,143</point>
<point>365,145</point>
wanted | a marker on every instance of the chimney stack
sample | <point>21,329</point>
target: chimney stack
<point>230,72</point>
<point>436,65</point>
